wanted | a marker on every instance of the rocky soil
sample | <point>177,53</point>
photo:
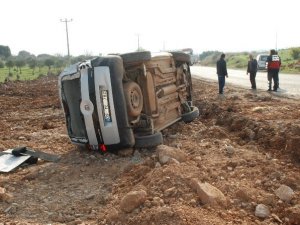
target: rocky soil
<point>238,163</point>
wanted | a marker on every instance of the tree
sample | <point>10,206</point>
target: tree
<point>39,64</point>
<point>24,55</point>
<point>49,62</point>
<point>32,63</point>
<point>59,63</point>
<point>1,64</point>
<point>296,53</point>
<point>10,64</point>
<point>20,63</point>
<point>5,51</point>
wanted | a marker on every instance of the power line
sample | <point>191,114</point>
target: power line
<point>66,21</point>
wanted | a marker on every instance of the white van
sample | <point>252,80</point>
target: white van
<point>120,101</point>
<point>261,61</point>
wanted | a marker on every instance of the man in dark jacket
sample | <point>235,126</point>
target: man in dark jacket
<point>274,64</point>
<point>222,72</point>
<point>252,69</point>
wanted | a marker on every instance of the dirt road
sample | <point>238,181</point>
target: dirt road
<point>238,163</point>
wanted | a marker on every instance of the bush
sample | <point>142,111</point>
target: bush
<point>296,53</point>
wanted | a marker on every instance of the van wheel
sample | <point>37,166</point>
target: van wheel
<point>136,57</point>
<point>134,98</point>
<point>149,141</point>
<point>190,116</point>
<point>181,57</point>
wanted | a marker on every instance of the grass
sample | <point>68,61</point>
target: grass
<point>26,73</point>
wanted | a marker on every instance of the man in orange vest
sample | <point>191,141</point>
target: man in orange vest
<point>273,66</point>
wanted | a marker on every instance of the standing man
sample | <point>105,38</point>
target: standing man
<point>222,72</point>
<point>273,66</point>
<point>252,69</point>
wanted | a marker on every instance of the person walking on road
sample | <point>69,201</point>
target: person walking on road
<point>273,66</point>
<point>252,69</point>
<point>222,72</point>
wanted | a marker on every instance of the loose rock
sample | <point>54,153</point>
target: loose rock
<point>133,200</point>
<point>208,194</point>
<point>262,211</point>
<point>285,193</point>
<point>165,153</point>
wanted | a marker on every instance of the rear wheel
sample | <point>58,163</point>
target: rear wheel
<point>149,141</point>
<point>136,57</point>
<point>191,115</point>
<point>181,57</point>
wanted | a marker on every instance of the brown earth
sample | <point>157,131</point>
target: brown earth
<point>246,144</point>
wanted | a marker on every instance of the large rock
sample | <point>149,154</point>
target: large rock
<point>166,153</point>
<point>208,194</point>
<point>133,200</point>
<point>285,193</point>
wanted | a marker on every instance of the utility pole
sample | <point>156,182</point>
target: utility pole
<point>276,42</point>
<point>66,21</point>
<point>138,42</point>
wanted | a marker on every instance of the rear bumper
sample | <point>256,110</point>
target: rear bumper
<point>98,114</point>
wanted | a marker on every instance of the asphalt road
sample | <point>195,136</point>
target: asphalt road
<point>289,83</point>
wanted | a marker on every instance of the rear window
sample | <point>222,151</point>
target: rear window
<point>263,58</point>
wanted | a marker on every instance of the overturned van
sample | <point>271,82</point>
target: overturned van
<point>120,101</point>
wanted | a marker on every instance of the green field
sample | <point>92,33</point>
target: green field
<point>25,74</point>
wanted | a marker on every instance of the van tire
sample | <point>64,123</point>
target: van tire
<point>190,116</point>
<point>136,57</point>
<point>134,98</point>
<point>149,141</point>
<point>181,57</point>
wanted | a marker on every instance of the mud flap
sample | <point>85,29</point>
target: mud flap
<point>12,158</point>
<point>21,151</point>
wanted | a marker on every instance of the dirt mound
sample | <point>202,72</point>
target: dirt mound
<point>244,145</point>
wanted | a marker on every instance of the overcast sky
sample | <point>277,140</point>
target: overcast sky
<point>113,26</point>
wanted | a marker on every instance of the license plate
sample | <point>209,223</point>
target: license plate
<point>105,104</point>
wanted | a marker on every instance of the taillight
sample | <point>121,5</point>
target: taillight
<point>102,147</point>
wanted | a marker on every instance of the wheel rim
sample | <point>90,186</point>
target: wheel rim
<point>135,99</point>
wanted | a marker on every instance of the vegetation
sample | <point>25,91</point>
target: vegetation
<point>26,66</point>
<point>4,51</point>
<point>290,59</point>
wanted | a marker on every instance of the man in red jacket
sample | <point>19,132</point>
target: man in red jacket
<point>273,66</point>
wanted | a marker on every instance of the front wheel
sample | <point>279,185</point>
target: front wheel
<point>149,141</point>
<point>190,116</point>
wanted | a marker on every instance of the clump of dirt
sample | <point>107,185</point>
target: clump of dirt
<point>245,144</point>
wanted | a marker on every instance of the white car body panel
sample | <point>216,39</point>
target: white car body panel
<point>110,133</point>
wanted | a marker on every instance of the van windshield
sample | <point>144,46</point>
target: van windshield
<point>263,58</point>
